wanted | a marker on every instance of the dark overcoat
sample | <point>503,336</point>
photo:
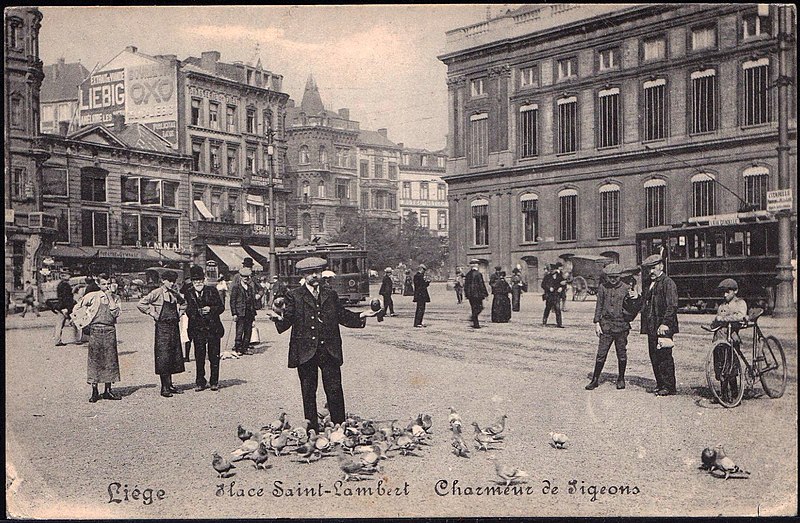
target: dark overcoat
<point>386,286</point>
<point>659,306</point>
<point>474,287</point>
<point>421,289</point>
<point>205,325</point>
<point>315,327</point>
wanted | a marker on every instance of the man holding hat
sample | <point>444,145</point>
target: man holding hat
<point>659,308</point>
<point>610,322</point>
<point>387,285</point>
<point>421,296</point>
<point>475,291</point>
<point>243,309</point>
<point>203,307</point>
<point>314,313</point>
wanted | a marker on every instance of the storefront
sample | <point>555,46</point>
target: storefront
<point>229,258</point>
<point>94,260</point>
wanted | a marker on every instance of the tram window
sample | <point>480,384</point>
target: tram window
<point>719,245</point>
<point>696,245</point>
<point>677,247</point>
<point>735,243</point>
<point>349,265</point>
<point>771,239</point>
<point>656,246</point>
<point>757,242</point>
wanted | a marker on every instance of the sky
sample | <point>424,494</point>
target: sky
<point>377,60</point>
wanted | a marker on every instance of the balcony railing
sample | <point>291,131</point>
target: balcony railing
<point>35,220</point>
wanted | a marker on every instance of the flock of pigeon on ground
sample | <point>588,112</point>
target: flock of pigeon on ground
<point>360,444</point>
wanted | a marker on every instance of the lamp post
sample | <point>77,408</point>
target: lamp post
<point>271,185</point>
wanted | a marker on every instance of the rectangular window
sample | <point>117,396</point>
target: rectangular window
<point>528,130</point>
<point>609,214</point>
<point>423,191</point>
<point>342,189</point>
<point>213,115</point>
<point>529,76</point>
<point>754,25</point>
<point>756,92</point>
<point>54,182</point>
<point>567,68</point>
<point>197,156</point>
<point>440,191</point>
<point>479,139</point>
<point>608,132</point>
<point>195,117</point>
<point>230,119</point>
<point>392,201</point>
<point>654,48</point>
<point>530,219</point>
<point>703,198</point>
<point>250,161</point>
<point>441,161</point>
<point>423,160</point>
<point>130,229</point>
<point>19,182</point>
<point>198,195</point>
<point>393,171</point>
<point>215,160</point>
<point>93,186</point>
<point>476,88</point>
<point>48,113</point>
<point>655,110</point>
<point>609,59</point>
<point>149,229</point>
<point>216,205</point>
<point>169,196</point>
<point>380,200</point>
<point>568,211</point>
<point>94,228</point>
<point>424,219</point>
<point>480,217</point>
<point>567,125</point>
<point>364,168</point>
<point>755,190</point>
<point>169,230</point>
<point>655,205</point>
<point>365,199</point>
<point>233,163</point>
<point>704,37</point>
<point>251,121</point>
<point>441,223</point>
<point>406,190</point>
<point>130,189</point>
<point>150,192</point>
<point>704,101</point>
<point>62,225</point>
<point>378,167</point>
<point>406,158</point>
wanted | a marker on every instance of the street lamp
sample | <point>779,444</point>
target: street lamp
<point>271,185</point>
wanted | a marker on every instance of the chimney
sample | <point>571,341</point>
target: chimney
<point>344,112</point>
<point>131,49</point>
<point>118,120</point>
<point>63,128</point>
<point>209,59</point>
<point>384,132</point>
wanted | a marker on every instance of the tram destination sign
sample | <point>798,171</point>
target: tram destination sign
<point>779,200</point>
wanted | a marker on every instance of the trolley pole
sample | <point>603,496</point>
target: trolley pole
<point>271,185</point>
<point>784,305</point>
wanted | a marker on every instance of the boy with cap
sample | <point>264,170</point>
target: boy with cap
<point>611,323</point>
<point>387,286</point>
<point>475,291</point>
<point>732,309</point>
<point>314,313</point>
<point>203,307</point>
<point>243,309</point>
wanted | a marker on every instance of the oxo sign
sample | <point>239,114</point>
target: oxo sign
<point>156,90</point>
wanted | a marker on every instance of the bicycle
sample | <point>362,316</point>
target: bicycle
<point>727,368</point>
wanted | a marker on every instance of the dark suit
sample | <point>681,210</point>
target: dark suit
<point>421,296</point>
<point>659,306</point>
<point>386,291</point>
<point>475,291</point>
<point>316,343</point>
<point>205,330</point>
<point>243,306</point>
<point>553,285</point>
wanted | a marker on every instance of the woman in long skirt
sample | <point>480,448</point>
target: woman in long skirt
<point>408,284</point>
<point>516,289</point>
<point>501,303</point>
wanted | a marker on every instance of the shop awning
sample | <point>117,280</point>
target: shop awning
<point>255,200</point>
<point>65,251</point>
<point>233,256</point>
<point>204,212</point>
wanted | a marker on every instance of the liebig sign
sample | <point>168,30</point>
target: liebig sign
<point>102,95</point>
<point>779,200</point>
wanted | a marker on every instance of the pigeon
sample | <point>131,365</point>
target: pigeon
<point>300,434</point>
<point>259,457</point>
<point>460,448</point>
<point>349,444</point>
<point>367,428</point>
<point>454,417</point>
<point>323,443</point>
<point>559,440</point>
<point>507,473</point>
<point>246,448</point>
<point>373,457</point>
<point>486,431</point>
<point>498,427</point>
<point>324,412</point>
<point>276,426</point>
<point>426,422</point>
<point>310,446</point>
<point>221,465</point>
<point>483,439</point>
<point>279,441</point>
<point>351,467</point>
<point>405,443</point>
<point>418,432</point>
<point>243,434</point>
<point>725,465</point>
<point>337,435</point>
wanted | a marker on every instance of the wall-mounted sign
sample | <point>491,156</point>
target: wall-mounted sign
<point>102,96</point>
<point>780,200</point>
<point>151,98</point>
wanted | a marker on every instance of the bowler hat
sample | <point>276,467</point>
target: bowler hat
<point>196,273</point>
<point>497,267</point>
<point>247,262</point>
<point>170,276</point>
<point>612,269</point>
<point>311,263</point>
<point>423,267</point>
<point>653,259</point>
<point>728,284</point>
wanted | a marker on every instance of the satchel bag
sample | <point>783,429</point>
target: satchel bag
<point>255,336</point>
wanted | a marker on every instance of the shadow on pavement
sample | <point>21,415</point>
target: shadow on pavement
<point>127,391</point>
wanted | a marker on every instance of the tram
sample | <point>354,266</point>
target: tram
<point>350,265</point>
<point>703,251</point>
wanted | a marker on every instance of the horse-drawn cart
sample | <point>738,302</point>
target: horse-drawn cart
<point>587,271</point>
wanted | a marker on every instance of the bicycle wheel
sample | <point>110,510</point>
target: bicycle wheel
<point>771,365</point>
<point>724,374</point>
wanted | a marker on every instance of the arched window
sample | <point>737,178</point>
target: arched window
<point>609,211</point>
<point>655,203</point>
<point>529,205</point>
<point>480,218</point>
<point>568,215</point>
<point>306,191</point>
<point>323,154</point>
<point>321,189</point>
<point>304,158</point>
<point>703,194</point>
<point>756,184</point>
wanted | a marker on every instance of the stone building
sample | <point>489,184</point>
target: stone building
<point>572,127</point>
<point>321,161</point>
<point>422,189</point>
<point>378,173</point>
<point>28,230</point>
<point>59,96</point>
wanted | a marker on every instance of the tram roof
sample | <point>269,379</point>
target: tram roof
<point>727,220</point>
<point>321,247</point>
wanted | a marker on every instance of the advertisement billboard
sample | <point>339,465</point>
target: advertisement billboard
<point>102,96</point>
<point>151,98</point>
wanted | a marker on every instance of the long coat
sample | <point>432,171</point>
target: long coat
<point>386,286</point>
<point>205,325</point>
<point>421,289</point>
<point>315,327</point>
<point>243,302</point>
<point>659,306</point>
<point>474,287</point>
